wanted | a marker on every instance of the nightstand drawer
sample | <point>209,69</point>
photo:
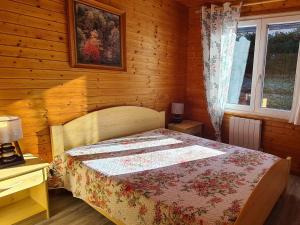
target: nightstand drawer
<point>22,182</point>
<point>188,127</point>
<point>190,130</point>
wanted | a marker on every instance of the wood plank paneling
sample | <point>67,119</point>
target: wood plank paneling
<point>37,83</point>
<point>278,137</point>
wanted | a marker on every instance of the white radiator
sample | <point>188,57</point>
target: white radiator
<point>245,132</point>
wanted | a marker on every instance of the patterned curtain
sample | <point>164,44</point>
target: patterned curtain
<point>219,26</point>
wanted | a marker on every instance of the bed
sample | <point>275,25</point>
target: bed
<point>126,165</point>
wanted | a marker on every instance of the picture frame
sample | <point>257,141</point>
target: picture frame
<point>97,35</point>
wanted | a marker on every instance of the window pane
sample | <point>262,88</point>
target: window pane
<point>242,68</point>
<point>280,68</point>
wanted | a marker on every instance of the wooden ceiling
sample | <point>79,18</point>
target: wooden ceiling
<point>252,7</point>
<point>193,3</point>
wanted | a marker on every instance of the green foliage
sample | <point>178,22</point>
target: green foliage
<point>281,62</point>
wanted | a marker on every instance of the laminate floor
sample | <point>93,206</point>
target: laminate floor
<point>67,210</point>
<point>287,209</point>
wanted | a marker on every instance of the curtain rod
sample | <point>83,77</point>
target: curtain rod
<point>245,3</point>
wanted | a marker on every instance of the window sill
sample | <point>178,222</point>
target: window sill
<point>252,115</point>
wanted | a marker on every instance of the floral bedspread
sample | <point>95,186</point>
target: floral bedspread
<point>162,177</point>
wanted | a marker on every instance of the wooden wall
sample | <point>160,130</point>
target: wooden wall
<point>37,83</point>
<point>278,137</point>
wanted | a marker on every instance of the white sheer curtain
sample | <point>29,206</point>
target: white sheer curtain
<point>295,118</point>
<point>219,25</point>
<point>295,113</point>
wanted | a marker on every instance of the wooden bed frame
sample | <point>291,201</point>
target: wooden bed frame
<point>125,120</point>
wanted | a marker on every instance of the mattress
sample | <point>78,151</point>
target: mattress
<point>162,177</point>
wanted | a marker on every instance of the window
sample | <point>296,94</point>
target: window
<point>281,64</point>
<point>264,71</point>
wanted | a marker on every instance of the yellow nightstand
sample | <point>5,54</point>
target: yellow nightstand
<point>188,127</point>
<point>24,192</point>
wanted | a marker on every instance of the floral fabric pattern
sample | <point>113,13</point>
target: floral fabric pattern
<point>211,183</point>
<point>180,189</point>
<point>219,25</point>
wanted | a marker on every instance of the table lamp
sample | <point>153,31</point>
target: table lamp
<point>177,112</point>
<point>10,133</point>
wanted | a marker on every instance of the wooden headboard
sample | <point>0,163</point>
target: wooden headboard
<point>104,124</point>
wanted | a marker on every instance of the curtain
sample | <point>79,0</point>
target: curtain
<point>219,26</point>
<point>295,112</point>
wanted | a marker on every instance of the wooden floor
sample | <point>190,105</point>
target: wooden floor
<point>67,210</point>
<point>287,209</point>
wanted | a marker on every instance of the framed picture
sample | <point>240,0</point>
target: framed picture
<point>97,35</point>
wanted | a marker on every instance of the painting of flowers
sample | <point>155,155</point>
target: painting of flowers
<point>96,35</point>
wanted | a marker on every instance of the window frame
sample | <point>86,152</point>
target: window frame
<point>259,62</point>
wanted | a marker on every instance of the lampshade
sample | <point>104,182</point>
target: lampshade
<point>10,129</point>
<point>177,108</point>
